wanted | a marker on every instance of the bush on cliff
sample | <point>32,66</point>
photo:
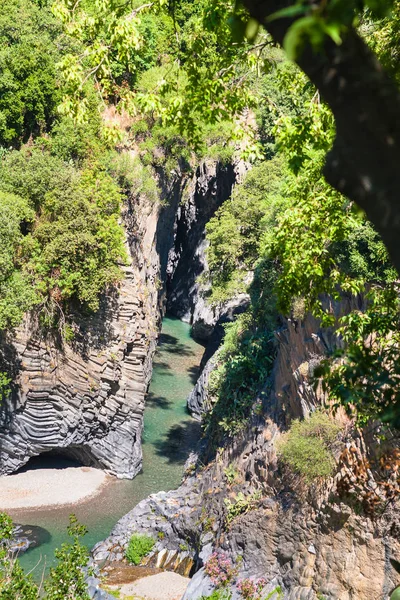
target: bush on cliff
<point>140,545</point>
<point>67,242</point>
<point>307,447</point>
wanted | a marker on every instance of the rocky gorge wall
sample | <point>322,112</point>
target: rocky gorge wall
<point>306,545</point>
<point>186,294</point>
<point>86,398</point>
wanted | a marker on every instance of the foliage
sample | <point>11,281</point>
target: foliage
<point>139,546</point>
<point>372,339</point>
<point>14,584</point>
<point>276,593</point>
<point>71,249</point>
<point>244,362</point>
<point>220,569</point>
<point>5,381</point>
<point>187,93</point>
<point>307,447</point>
<point>219,594</point>
<point>251,589</point>
<point>231,473</point>
<point>241,505</point>
<point>16,296</point>
<point>67,578</point>
<point>396,593</point>
<point>238,231</point>
<point>30,38</point>
<point>383,36</point>
<point>324,247</point>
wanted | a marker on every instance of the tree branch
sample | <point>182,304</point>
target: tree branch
<point>364,162</point>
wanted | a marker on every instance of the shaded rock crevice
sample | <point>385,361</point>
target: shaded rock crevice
<point>186,295</point>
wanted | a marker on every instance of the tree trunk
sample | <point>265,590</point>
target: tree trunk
<point>364,162</point>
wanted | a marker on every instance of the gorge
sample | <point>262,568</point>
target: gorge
<point>199,335</point>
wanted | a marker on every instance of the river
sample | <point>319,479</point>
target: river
<point>169,435</point>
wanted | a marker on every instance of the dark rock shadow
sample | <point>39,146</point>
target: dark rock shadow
<point>171,344</point>
<point>180,440</point>
<point>194,373</point>
<point>50,460</point>
<point>158,401</point>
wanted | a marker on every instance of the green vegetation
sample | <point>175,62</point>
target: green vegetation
<point>30,38</point>
<point>73,247</point>
<point>215,62</point>
<point>139,546</point>
<point>60,193</point>
<point>240,505</point>
<point>241,228</point>
<point>218,595</point>
<point>307,447</point>
<point>232,474</point>
<point>66,579</point>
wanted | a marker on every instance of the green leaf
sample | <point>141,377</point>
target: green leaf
<point>288,12</point>
<point>296,34</point>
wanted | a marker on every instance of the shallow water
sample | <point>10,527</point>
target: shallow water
<point>169,435</point>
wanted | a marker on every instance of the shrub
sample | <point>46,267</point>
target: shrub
<point>218,595</point>
<point>139,546</point>
<point>241,505</point>
<point>220,569</point>
<point>67,578</point>
<point>29,51</point>
<point>71,249</point>
<point>251,589</point>
<point>307,447</point>
<point>232,474</point>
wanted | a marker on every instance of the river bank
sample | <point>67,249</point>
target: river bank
<point>35,488</point>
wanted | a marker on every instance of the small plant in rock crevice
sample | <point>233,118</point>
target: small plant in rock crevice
<point>220,569</point>
<point>232,474</point>
<point>220,594</point>
<point>140,545</point>
<point>240,505</point>
<point>251,589</point>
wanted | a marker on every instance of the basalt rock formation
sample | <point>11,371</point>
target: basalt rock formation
<point>85,398</point>
<point>306,544</point>
<point>186,295</point>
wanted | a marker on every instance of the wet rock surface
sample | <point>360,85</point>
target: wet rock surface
<point>27,536</point>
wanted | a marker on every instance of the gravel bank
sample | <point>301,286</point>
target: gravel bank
<point>163,586</point>
<point>50,487</point>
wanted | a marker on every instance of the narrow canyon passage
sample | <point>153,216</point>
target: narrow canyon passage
<point>169,435</point>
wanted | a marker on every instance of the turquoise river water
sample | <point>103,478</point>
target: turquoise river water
<point>169,435</point>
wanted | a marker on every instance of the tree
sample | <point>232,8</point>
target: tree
<point>363,162</point>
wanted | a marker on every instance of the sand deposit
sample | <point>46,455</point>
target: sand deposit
<point>50,487</point>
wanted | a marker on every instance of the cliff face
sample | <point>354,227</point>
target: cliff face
<point>306,545</point>
<point>86,398</point>
<point>186,297</point>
